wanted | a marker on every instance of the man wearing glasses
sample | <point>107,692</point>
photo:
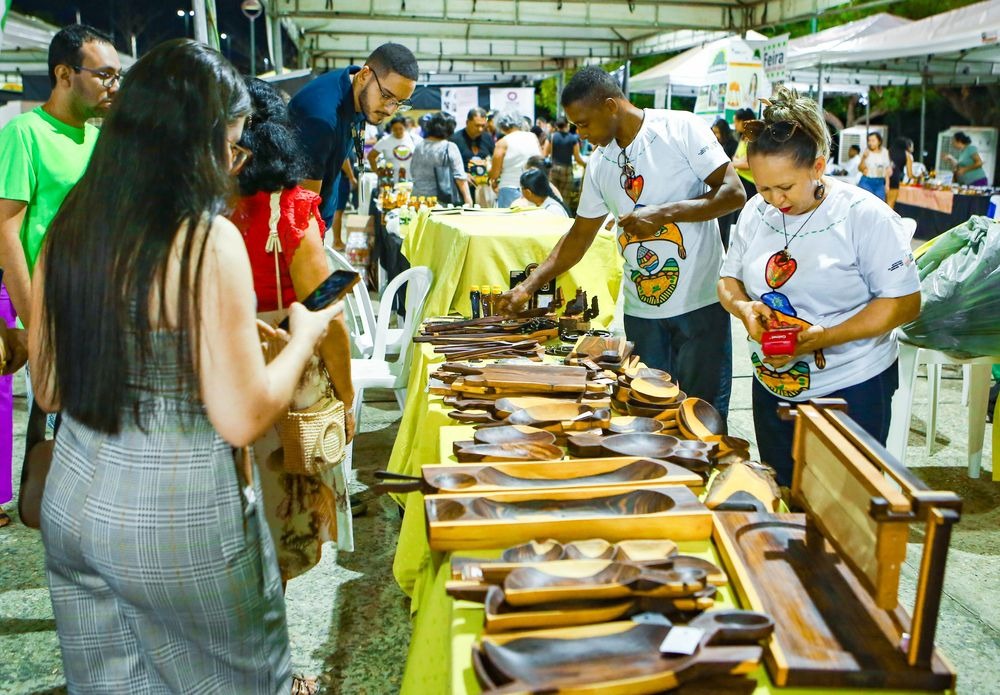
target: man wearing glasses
<point>665,179</point>
<point>43,153</point>
<point>330,114</point>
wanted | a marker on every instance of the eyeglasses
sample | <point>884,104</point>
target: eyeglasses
<point>628,170</point>
<point>108,79</point>
<point>779,132</point>
<point>391,100</point>
<point>240,155</point>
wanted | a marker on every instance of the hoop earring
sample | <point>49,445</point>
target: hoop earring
<point>820,191</point>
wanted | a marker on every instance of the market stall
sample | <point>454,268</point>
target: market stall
<point>938,210</point>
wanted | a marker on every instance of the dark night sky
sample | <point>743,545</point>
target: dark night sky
<point>154,21</point>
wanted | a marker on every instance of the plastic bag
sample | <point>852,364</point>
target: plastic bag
<point>960,287</point>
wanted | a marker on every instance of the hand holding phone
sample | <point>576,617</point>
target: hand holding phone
<point>334,288</point>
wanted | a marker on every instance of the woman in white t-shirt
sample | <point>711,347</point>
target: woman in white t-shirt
<point>537,190</point>
<point>875,167</point>
<point>826,257</point>
<point>509,157</point>
<point>396,147</point>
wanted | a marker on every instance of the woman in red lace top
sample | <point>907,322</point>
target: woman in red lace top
<point>302,511</point>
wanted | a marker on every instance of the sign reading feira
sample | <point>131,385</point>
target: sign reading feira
<point>773,58</point>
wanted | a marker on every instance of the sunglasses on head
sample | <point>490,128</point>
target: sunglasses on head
<point>780,131</point>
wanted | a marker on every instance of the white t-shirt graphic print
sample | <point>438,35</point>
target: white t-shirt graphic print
<point>399,151</point>
<point>852,250</point>
<point>673,153</point>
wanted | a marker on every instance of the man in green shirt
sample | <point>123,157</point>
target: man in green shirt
<point>44,152</point>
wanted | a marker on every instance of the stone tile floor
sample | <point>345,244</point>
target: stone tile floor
<point>349,623</point>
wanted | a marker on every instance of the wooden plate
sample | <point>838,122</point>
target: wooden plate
<point>655,389</point>
<point>699,420</point>
<point>640,443</point>
<point>631,423</point>
<point>513,433</point>
<point>510,451</point>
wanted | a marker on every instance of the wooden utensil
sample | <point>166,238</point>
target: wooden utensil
<point>617,657</point>
<point>615,513</point>
<point>653,445</point>
<point>562,418</point>
<point>697,419</point>
<point>509,451</point>
<point>513,433</point>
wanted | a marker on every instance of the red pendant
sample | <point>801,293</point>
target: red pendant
<point>780,268</point>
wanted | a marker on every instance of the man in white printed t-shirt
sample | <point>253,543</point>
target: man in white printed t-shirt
<point>396,147</point>
<point>665,178</point>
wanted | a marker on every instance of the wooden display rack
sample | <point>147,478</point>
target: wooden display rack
<point>830,577</point>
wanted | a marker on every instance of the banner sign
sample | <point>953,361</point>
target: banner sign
<point>457,101</point>
<point>773,58</point>
<point>519,100</point>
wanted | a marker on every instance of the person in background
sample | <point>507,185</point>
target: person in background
<point>437,158</point>
<point>302,511</point>
<point>875,167</point>
<point>536,189</point>
<point>968,166</point>
<point>853,163</point>
<point>542,136</point>
<point>160,567</point>
<point>413,129</point>
<point>739,158</point>
<point>724,135</point>
<point>511,152</point>
<point>396,147</point>
<point>476,147</point>
<point>43,153</point>
<point>563,147</point>
<point>901,156</point>
<point>729,144</point>
<point>491,125</point>
<point>822,255</point>
<point>665,178</point>
<point>330,114</point>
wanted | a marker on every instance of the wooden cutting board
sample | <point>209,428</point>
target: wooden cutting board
<point>828,630</point>
<point>540,378</point>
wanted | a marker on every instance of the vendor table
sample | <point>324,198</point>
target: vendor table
<point>938,211</point>
<point>444,629</point>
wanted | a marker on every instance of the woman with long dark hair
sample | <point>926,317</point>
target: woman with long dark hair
<point>901,156</point>
<point>303,511</point>
<point>161,570</point>
<point>537,190</point>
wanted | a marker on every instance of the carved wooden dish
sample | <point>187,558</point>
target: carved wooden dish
<point>654,445</point>
<point>509,451</point>
<point>628,424</point>
<point>614,513</point>
<point>513,433</point>
<point>699,420</point>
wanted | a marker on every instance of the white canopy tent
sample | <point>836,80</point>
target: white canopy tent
<point>468,40</point>
<point>25,47</point>
<point>685,73</point>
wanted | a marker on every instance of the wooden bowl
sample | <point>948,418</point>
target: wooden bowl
<point>697,419</point>
<point>513,433</point>
<point>534,551</point>
<point>655,390</point>
<point>639,444</point>
<point>631,423</point>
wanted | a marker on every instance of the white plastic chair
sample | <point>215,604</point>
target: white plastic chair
<point>977,381</point>
<point>377,372</point>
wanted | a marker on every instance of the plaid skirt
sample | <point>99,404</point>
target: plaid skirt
<point>162,573</point>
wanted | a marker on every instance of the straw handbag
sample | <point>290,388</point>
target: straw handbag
<point>313,438</point>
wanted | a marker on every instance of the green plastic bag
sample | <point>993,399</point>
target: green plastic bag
<point>960,290</point>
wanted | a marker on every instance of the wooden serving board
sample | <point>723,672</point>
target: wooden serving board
<point>518,378</point>
<point>628,471</point>
<point>462,521</point>
<point>828,630</point>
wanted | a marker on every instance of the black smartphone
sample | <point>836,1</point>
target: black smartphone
<point>329,291</point>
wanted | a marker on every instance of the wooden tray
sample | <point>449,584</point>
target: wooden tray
<point>828,632</point>
<point>562,418</point>
<point>521,378</point>
<point>617,658</point>
<point>614,513</point>
<point>510,451</point>
<point>513,433</point>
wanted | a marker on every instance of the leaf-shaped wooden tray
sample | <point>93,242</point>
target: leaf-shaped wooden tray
<point>509,451</point>
<point>614,513</point>
<point>640,444</point>
<point>562,418</point>
<point>617,657</point>
<point>501,616</point>
<point>513,433</point>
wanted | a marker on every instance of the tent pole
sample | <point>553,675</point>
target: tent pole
<point>868,107</point>
<point>560,80</point>
<point>200,21</point>
<point>923,114</point>
<point>819,100</point>
<point>670,95</point>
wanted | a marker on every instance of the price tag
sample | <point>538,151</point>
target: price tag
<point>682,640</point>
<point>652,619</point>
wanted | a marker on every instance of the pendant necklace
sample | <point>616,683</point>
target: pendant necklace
<point>785,255</point>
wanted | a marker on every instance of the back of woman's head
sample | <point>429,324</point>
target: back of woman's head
<point>961,137</point>
<point>440,125</point>
<point>722,125</point>
<point>793,127</point>
<point>277,159</point>
<point>900,146</point>
<point>160,167</point>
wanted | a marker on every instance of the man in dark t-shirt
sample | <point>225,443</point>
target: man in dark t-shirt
<point>332,110</point>
<point>475,144</point>
<point>564,148</point>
